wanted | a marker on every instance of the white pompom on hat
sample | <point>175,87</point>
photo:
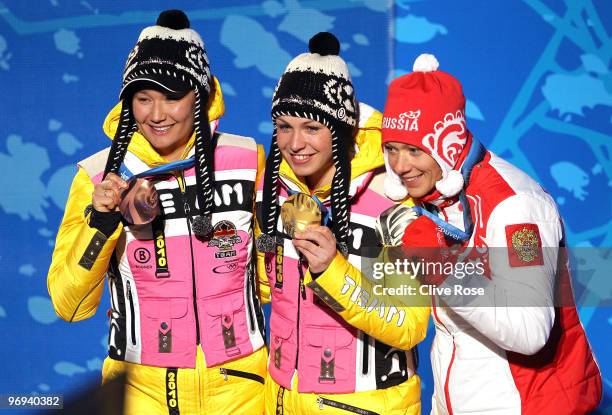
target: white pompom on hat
<point>426,109</point>
<point>426,62</point>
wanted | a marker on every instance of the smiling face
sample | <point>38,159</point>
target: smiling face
<point>307,146</point>
<point>418,170</point>
<point>165,119</point>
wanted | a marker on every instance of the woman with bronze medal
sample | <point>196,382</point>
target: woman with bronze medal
<point>185,323</point>
<point>331,351</point>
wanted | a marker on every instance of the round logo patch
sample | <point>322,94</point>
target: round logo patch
<point>341,113</point>
<point>142,255</point>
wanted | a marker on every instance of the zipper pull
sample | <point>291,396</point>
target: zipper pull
<point>129,290</point>
<point>320,402</point>
<point>224,373</point>
<point>183,188</point>
<point>302,289</point>
<point>301,272</point>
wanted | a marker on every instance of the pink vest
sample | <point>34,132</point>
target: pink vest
<point>171,290</point>
<point>306,336</point>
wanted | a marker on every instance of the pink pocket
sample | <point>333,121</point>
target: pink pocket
<point>327,360</point>
<point>283,350</point>
<point>167,332</point>
<point>223,326</point>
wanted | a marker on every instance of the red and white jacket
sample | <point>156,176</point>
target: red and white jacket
<point>513,359</point>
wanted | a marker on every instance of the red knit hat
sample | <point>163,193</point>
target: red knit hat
<point>426,109</point>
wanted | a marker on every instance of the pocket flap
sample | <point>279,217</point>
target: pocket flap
<point>224,305</point>
<point>344,338</point>
<point>179,307</point>
<point>334,337</point>
<point>155,308</point>
<point>280,327</point>
<point>174,308</point>
<point>314,337</point>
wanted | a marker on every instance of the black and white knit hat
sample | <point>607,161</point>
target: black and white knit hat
<point>172,57</point>
<point>317,86</point>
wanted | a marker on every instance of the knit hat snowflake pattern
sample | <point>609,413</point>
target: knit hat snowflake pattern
<point>426,109</point>
<point>317,86</point>
<point>172,57</point>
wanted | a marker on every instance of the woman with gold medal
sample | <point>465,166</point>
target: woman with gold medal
<point>331,350</point>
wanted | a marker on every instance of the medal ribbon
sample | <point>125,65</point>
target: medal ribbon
<point>475,156</point>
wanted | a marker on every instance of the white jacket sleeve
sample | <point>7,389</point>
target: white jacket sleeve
<point>516,311</point>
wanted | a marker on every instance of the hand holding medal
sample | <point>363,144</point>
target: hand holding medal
<point>137,199</point>
<point>392,223</point>
<point>107,194</point>
<point>301,217</point>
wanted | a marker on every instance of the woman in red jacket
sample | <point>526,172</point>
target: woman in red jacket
<point>514,348</point>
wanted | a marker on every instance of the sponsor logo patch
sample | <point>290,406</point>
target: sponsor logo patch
<point>224,238</point>
<point>142,255</point>
<point>227,268</point>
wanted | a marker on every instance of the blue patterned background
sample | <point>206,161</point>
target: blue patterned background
<point>536,75</point>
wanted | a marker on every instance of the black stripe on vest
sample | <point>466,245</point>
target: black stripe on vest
<point>161,256</point>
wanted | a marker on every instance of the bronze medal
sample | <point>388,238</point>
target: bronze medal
<point>139,202</point>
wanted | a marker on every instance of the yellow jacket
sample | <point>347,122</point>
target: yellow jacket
<point>76,291</point>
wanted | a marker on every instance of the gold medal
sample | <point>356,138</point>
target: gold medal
<point>298,213</point>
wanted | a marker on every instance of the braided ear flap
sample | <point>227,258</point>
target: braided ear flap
<point>340,187</point>
<point>266,241</point>
<point>202,222</point>
<point>126,128</point>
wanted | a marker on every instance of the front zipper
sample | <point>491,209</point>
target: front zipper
<point>133,318</point>
<point>250,302</point>
<point>182,187</point>
<point>345,407</point>
<point>300,294</point>
<point>301,272</point>
<point>240,374</point>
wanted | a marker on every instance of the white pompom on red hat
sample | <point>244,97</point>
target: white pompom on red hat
<point>426,109</point>
<point>426,62</point>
